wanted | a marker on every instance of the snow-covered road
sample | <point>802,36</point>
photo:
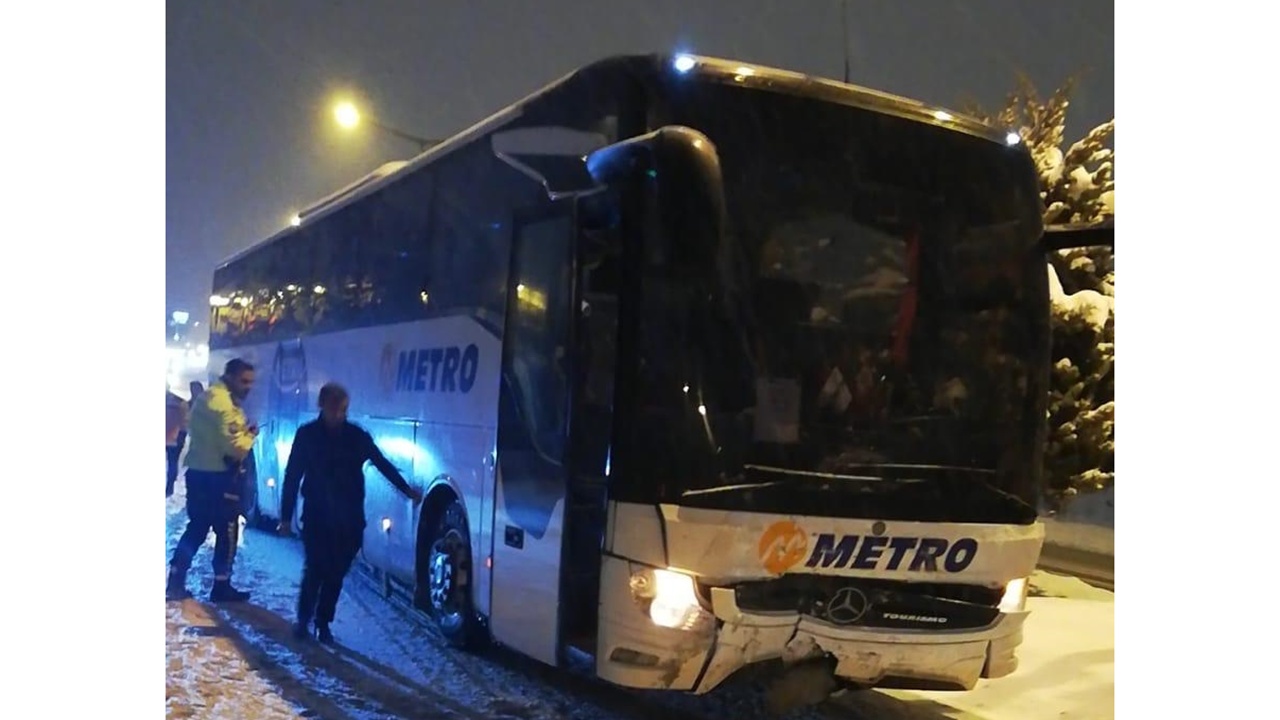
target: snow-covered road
<point>240,662</point>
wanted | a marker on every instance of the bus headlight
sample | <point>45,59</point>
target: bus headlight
<point>669,597</point>
<point>1015,596</point>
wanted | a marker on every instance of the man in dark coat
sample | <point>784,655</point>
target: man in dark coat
<point>327,458</point>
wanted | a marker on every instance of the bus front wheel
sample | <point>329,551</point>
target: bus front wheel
<point>449,578</point>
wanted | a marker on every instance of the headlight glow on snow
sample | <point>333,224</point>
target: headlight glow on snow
<point>1015,596</point>
<point>670,597</point>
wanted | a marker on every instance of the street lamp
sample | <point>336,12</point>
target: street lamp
<point>348,116</point>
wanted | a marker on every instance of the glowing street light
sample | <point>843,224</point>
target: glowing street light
<point>349,116</point>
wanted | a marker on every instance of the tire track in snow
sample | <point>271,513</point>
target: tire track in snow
<point>381,688</point>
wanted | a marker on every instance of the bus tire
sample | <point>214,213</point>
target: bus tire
<point>448,578</point>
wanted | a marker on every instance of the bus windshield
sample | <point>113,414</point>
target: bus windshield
<point>879,316</point>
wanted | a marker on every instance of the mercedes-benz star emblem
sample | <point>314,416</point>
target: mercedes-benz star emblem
<point>847,606</point>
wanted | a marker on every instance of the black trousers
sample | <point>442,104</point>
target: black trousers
<point>171,456</point>
<point>329,554</point>
<point>211,504</point>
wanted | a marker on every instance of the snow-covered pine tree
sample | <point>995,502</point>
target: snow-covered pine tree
<point>1077,186</point>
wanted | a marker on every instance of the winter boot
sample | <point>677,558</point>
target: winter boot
<point>322,632</point>
<point>223,592</point>
<point>176,588</point>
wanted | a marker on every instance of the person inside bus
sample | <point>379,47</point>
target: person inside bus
<point>221,438</point>
<point>327,459</point>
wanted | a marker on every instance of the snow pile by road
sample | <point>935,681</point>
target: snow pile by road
<point>1066,667</point>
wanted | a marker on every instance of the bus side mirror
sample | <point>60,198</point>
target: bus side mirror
<point>1078,235</point>
<point>682,168</point>
<point>550,155</point>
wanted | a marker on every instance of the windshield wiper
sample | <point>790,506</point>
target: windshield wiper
<point>813,473</point>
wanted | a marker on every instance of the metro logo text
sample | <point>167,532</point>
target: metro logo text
<point>439,369</point>
<point>878,552</point>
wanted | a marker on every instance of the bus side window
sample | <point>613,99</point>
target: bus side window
<point>259,290</point>
<point>228,313</point>
<point>470,242</point>
<point>538,331</point>
<point>290,309</point>
<point>398,250</point>
<point>337,271</point>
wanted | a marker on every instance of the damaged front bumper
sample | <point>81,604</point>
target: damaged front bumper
<point>633,652</point>
<point>864,656</point>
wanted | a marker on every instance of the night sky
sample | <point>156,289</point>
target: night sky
<point>250,84</point>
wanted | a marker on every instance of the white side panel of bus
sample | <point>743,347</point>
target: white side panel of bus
<point>426,390</point>
<point>525,605</point>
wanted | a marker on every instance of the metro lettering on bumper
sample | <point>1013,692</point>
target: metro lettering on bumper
<point>878,552</point>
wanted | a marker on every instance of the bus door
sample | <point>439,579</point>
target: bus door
<point>534,402</point>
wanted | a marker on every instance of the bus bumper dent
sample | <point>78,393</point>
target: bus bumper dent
<point>864,656</point>
<point>634,652</point>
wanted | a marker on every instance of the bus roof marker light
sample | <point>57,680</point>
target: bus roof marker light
<point>684,63</point>
<point>1012,138</point>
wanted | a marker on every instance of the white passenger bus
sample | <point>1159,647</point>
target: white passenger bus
<point>699,365</point>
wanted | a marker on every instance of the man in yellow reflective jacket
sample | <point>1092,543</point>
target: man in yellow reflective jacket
<point>220,438</point>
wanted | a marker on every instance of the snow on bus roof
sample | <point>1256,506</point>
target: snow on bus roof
<point>682,63</point>
<point>383,171</point>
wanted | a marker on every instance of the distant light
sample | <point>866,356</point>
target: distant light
<point>1013,138</point>
<point>702,409</point>
<point>219,301</point>
<point>686,389</point>
<point>347,115</point>
<point>295,220</point>
<point>943,115</point>
<point>291,288</point>
<point>744,70</point>
<point>684,63</point>
<point>386,524</point>
<point>271,482</point>
<point>319,289</point>
<point>181,316</point>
